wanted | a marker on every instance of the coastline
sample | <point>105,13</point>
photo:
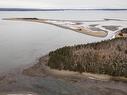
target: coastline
<point>41,69</point>
<point>36,77</point>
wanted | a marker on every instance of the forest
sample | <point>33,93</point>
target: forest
<point>105,57</point>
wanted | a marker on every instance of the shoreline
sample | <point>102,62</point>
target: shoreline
<point>41,69</point>
<point>37,76</point>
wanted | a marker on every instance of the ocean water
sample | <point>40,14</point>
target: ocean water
<point>22,43</point>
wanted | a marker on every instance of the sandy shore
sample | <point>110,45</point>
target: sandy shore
<point>67,25</point>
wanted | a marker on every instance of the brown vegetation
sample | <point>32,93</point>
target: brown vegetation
<point>106,57</point>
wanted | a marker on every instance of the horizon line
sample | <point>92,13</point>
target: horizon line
<point>60,9</point>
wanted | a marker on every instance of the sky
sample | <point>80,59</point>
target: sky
<point>63,4</point>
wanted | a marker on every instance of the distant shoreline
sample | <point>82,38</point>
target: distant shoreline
<point>32,9</point>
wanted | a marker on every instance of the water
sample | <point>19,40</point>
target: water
<point>24,42</point>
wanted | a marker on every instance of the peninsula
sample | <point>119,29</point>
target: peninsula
<point>102,60</point>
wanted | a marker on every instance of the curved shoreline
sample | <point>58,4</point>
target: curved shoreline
<point>63,73</point>
<point>41,69</point>
<point>76,28</point>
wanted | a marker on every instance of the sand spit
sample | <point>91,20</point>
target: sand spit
<point>71,25</point>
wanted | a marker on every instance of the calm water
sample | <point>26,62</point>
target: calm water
<point>24,42</point>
